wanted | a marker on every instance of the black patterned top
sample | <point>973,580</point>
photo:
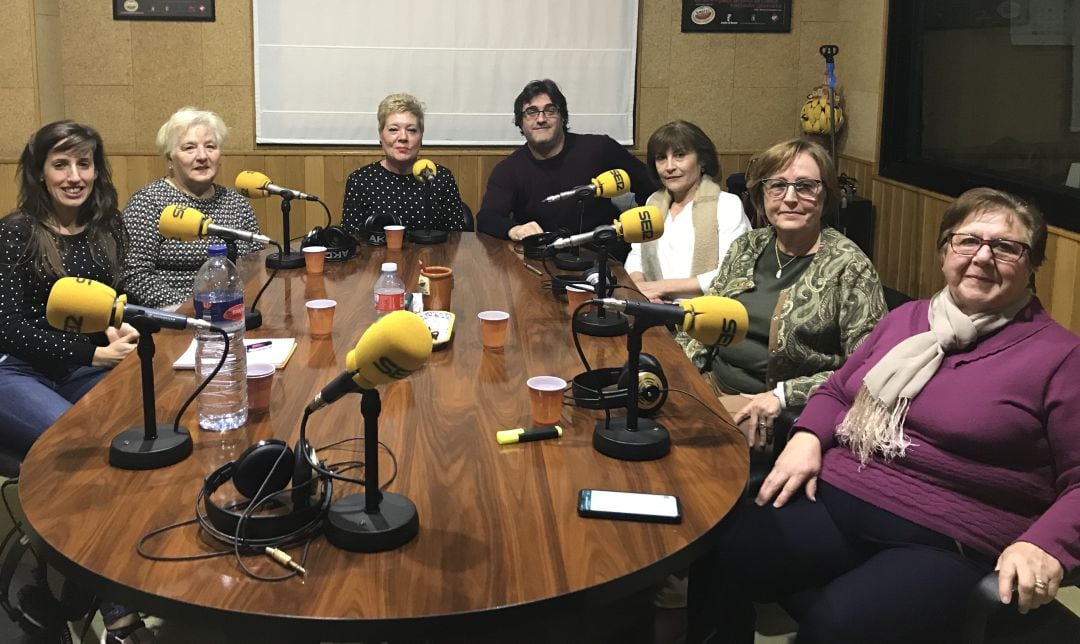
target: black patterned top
<point>374,190</point>
<point>161,272</point>
<point>24,293</point>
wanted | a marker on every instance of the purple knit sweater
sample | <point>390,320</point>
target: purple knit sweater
<point>995,454</point>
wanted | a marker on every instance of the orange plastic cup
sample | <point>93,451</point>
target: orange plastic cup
<point>321,316</point>
<point>260,380</point>
<point>575,296</point>
<point>545,399</point>
<point>493,327</point>
<point>395,235</point>
<point>314,259</point>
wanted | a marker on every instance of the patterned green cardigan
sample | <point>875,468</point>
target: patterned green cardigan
<point>818,322</point>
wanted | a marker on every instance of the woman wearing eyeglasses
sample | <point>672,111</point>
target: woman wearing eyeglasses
<point>945,448</point>
<point>811,294</point>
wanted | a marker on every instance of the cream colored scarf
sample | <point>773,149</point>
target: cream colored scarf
<point>875,422</point>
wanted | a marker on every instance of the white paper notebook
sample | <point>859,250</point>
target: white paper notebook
<point>277,352</point>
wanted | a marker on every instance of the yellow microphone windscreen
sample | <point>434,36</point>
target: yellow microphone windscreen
<point>641,224</point>
<point>421,165</point>
<point>252,184</point>
<point>712,319</point>
<point>182,223</point>
<point>80,305</point>
<point>397,344</point>
<point>612,184</point>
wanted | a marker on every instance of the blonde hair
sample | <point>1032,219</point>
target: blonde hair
<point>182,120</point>
<point>396,103</point>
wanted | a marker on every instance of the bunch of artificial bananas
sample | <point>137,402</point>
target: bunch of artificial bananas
<point>815,115</point>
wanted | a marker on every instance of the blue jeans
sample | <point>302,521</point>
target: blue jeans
<point>33,401</point>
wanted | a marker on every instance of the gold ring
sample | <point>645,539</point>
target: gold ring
<point>1040,584</point>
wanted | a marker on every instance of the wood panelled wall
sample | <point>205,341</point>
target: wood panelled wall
<point>905,245</point>
<point>905,233</point>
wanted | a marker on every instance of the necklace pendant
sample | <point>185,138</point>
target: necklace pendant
<point>778,272</point>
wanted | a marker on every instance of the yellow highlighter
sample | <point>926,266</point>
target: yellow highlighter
<point>522,435</point>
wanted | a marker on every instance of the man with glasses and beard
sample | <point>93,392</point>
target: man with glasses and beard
<point>554,160</point>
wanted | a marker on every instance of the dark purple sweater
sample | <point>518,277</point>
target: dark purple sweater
<point>996,436</point>
<point>519,182</point>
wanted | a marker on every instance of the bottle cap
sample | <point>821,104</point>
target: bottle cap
<point>389,267</point>
<point>218,250</point>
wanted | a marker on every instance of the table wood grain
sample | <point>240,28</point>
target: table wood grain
<point>500,540</point>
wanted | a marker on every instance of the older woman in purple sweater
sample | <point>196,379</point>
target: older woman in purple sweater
<point>944,448</point>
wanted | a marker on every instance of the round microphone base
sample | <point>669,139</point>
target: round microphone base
<point>428,236</point>
<point>131,450</point>
<point>349,527</point>
<point>611,325</point>
<point>287,260</point>
<point>648,442</point>
<point>571,262</point>
<point>252,319</point>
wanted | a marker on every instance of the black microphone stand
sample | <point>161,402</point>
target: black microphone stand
<point>253,318</point>
<point>374,521</point>
<point>427,235</point>
<point>632,438</point>
<point>570,260</point>
<point>597,321</point>
<point>151,446</point>
<point>286,259</point>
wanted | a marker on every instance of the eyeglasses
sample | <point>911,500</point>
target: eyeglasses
<point>805,188</point>
<point>1006,250</point>
<point>550,111</point>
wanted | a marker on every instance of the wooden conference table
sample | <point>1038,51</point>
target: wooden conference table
<point>500,540</point>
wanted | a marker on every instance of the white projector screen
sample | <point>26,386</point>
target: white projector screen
<point>322,66</point>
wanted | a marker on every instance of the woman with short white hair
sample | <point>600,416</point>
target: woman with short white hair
<point>161,272</point>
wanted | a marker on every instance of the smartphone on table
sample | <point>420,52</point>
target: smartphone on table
<point>629,506</point>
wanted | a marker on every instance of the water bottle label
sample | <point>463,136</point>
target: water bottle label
<point>221,312</point>
<point>386,302</point>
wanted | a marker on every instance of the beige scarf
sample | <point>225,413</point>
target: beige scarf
<point>875,422</point>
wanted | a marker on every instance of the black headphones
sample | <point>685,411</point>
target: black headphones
<point>428,236</point>
<point>272,466</point>
<point>340,245</point>
<point>607,388</point>
<point>373,227</point>
<point>535,246</point>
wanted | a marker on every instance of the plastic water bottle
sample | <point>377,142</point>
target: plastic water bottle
<point>219,298</point>
<point>389,290</point>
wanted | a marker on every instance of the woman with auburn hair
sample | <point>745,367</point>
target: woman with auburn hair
<point>700,220</point>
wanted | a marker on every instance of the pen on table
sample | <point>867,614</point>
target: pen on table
<point>522,435</point>
<point>533,269</point>
<point>259,345</point>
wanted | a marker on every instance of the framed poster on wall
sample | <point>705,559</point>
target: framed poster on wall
<point>171,10</point>
<point>736,15</point>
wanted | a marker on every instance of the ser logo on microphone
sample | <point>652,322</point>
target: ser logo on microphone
<point>390,368</point>
<point>620,182</point>
<point>727,333</point>
<point>646,225</point>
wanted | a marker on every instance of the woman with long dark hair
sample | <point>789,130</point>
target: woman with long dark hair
<point>66,224</point>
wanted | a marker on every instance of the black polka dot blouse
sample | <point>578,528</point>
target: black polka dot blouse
<point>373,190</point>
<point>24,293</point>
